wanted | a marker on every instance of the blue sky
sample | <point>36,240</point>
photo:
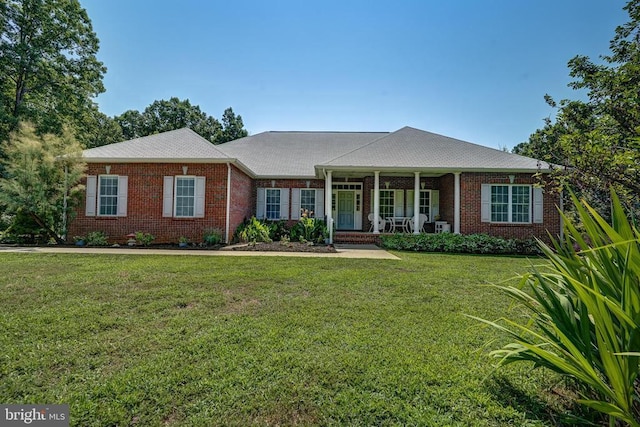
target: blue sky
<point>470,69</point>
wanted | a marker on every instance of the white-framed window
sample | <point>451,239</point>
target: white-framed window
<point>308,200</point>
<point>106,195</point>
<point>510,203</point>
<point>428,203</point>
<point>272,203</point>
<point>387,206</point>
<point>311,199</point>
<point>185,196</point>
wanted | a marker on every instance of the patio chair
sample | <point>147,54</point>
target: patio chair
<point>422,220</point>
<point>381,223</point>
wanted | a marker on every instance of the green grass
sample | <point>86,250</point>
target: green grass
<point>158,340</point>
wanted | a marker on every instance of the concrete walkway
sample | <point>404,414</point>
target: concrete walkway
<point>343,251</point>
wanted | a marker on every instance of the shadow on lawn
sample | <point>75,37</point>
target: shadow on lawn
<point>557,409</point>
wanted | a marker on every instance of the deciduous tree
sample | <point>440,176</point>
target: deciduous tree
<point>597,139</point>
<point>41,179</point>
<point>49,72</point>
<point>166,115</point>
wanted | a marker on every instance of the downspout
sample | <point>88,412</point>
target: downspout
<point>228,214</point>
<point>328,196</point>
<point>64,201</point>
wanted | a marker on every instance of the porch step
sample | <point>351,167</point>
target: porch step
<point>356,237</point>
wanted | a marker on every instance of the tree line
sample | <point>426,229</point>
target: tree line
<point>49,79</point>
<point>50,76</point>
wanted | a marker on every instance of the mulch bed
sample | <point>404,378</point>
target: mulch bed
<point>286,247</point>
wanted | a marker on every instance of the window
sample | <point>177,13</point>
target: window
<point>387,203</point>
<point>308,200</point>
<point>108,195</point>
<point>425,202</point>
<point>273,203</point>
<point>185,196</point>
<point>511,203</point>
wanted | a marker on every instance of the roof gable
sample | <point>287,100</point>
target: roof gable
<point>293,154</point>
<point>410,148</point>
<point>174,146</point>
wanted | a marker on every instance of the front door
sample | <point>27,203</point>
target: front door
<point>345,210</point>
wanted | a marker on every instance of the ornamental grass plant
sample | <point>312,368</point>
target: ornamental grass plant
<point>584,310</point>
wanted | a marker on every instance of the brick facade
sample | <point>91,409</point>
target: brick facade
<point>470,206</point>
<point>145,201</point>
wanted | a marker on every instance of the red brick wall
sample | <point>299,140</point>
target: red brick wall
<point>284,183</point>
<point>144,203</point>
<point>447,188</point>
<point>242,199</point>
<point>470,205</point>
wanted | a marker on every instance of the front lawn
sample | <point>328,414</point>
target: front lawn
<point>163,341</point>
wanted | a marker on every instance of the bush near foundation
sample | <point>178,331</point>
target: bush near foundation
<point>458,243</point>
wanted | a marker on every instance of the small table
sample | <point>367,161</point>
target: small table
<point>398,221</point>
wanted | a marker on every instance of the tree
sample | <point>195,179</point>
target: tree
<point>49,72</point>
<point>96,129</point>
<point>166,115</point>
<point>42,173</point>
<point>597,140</point>
<point>233,127</point>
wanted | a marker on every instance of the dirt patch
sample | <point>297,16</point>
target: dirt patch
<point>285,247</point>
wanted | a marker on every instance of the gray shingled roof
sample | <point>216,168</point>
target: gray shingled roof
<point>305,154</point>
<point>294,154</point>
<point>176,145</point>
<point>415,149</point>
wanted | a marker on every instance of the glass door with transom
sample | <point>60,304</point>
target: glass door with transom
<point>347,206</point>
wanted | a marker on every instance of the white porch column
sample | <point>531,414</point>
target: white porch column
<point>456,202</point>
<point>376,202</point>
<point>416,203</point>
<point>328,198</point>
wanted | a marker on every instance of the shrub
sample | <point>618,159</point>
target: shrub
<point>277,229</point>
<point>585,313</point>
<point>212,237</point>
<point>145,239</point>
<point>253,231</point>
<point>458,243</point>
<point>309,229</point>
<point>96,238</point>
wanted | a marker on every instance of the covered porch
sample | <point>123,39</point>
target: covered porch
<point>365,203</point>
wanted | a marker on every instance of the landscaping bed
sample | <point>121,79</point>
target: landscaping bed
<point>285,247</point>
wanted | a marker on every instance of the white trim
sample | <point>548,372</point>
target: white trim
<point>123,187</point>
<point>261,203</point>
<point>509,203</point>
<point>99,195</point>
<point>91,195</point>
<point>167,197</point>
<point>227,226</point>
<point>296,202</point>
<point>416,203</point>
<point>376,202</point>
<point>537,202</point>
<point>175,195</point>
<point>456,202</point>
<point>199,193</point>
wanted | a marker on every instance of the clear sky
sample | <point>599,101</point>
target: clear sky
<point>470,69</point>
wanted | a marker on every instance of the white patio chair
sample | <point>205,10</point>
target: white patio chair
<point>422,220</point>
<point>381,223</point>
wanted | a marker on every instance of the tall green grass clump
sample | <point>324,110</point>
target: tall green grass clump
<point>585,313</point>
